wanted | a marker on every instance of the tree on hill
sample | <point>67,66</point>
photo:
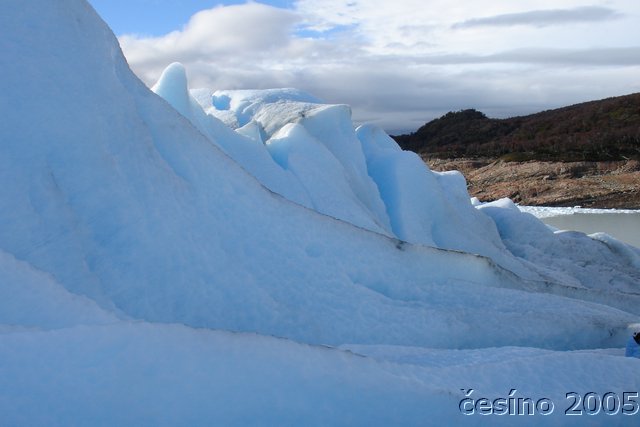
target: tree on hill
<point>599,130</point>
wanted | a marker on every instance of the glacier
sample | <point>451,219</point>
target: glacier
<point>206,256</point>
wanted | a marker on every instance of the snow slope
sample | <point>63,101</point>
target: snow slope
<point>137,234</point>
<point>143,374</point>
<point>598,267</point>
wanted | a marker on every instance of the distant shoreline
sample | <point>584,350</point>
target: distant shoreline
<point>605,185</point>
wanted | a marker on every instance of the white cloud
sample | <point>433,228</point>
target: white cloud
<point>543,18</point>
<point>404,62</point>
<point>239,35</point>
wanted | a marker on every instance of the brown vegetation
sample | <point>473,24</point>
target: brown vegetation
<point>586,154</point>
<point>603,130</point>
<point>587,184</point>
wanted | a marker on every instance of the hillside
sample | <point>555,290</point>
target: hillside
<point>585,154</point>
<point>602,130</point>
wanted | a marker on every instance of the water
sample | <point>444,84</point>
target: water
<point>622,226</point>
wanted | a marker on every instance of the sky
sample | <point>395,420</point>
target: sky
<point>398,64</point>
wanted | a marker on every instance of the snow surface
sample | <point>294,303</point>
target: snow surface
<point>548,211</point>
<point>152,250</point>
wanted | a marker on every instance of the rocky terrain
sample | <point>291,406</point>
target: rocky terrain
<point>614,184</point>
<point>586,154</point>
